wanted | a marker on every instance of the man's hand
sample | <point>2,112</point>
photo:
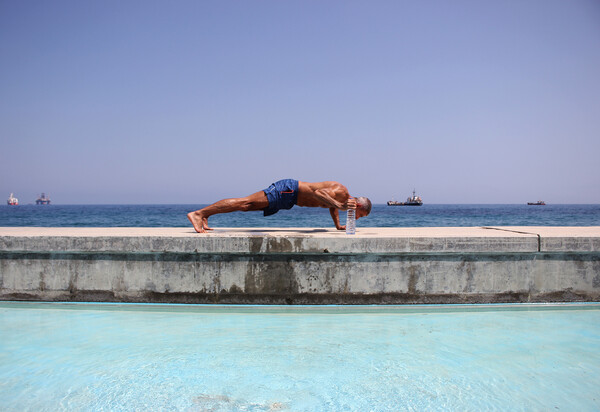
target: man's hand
<point>350,203</point>
<point>336,218</point>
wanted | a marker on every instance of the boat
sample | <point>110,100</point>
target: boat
<point>414,200</point>
<point>12,200</point>
<point>538,203</point>
<point>42,200</point>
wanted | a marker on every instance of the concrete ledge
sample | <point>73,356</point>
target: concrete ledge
<point>301,265</point>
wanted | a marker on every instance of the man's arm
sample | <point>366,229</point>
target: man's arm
<point>336,218</point>
<point>326,198</point>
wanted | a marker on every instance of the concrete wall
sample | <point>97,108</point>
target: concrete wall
<point>301,266</point>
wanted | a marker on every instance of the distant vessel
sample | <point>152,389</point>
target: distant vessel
<point>42,200</point>
<point>538,203</point>
<point>12,200</point>
<point>414,200</point>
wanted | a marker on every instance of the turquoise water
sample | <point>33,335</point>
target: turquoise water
<point>255,358</point>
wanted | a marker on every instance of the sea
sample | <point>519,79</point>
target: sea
<point>428,215</point>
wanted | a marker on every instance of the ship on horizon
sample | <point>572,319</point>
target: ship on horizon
<point>413,200</point>
<point>12,200</point>
<point>538,203</point>
<point>42,200</point>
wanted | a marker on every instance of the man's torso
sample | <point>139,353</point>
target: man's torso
<point>307,198</point>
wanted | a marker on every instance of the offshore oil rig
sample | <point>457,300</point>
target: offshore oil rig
<point>42,200</point>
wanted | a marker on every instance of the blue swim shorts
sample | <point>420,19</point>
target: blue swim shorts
<point>282,194</point>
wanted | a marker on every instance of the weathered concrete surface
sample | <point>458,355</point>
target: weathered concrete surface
<point>301,265</point>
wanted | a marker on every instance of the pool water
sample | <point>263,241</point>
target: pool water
<point>303,358</point>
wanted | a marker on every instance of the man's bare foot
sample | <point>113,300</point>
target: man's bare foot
<point>196,221</point>
<point>200,222</point>
<point>205,224</point>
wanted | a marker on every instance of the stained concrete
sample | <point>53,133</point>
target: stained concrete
<point>301,265</point>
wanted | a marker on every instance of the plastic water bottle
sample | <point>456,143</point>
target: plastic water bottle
<point>351,222</point>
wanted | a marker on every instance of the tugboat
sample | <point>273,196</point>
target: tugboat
<point>12,200</point>
<point>42,200</point>
<point>414,200</point>
<point>538,203</point>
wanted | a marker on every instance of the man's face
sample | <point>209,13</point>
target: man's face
<point>360,212</point>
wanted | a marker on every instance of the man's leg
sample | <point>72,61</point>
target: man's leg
<point>199,218</point>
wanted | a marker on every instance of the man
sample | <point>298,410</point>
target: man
<point>284,194</point>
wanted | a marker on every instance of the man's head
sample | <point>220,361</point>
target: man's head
<point>363,207</point>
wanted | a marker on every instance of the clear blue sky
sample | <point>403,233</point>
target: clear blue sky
<point>191,101</point>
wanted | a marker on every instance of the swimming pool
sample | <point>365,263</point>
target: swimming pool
<point>301,358</point>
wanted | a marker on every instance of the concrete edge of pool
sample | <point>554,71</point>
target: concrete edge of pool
<point>292,309</point>
<point>301,265</point>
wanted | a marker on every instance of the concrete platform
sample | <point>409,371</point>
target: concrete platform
<point>301,265</point>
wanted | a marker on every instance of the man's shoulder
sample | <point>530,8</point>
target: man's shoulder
<point>337,186</point>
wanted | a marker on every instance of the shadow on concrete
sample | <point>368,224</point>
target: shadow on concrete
<point>268,230</point>
<point>274,230</point>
